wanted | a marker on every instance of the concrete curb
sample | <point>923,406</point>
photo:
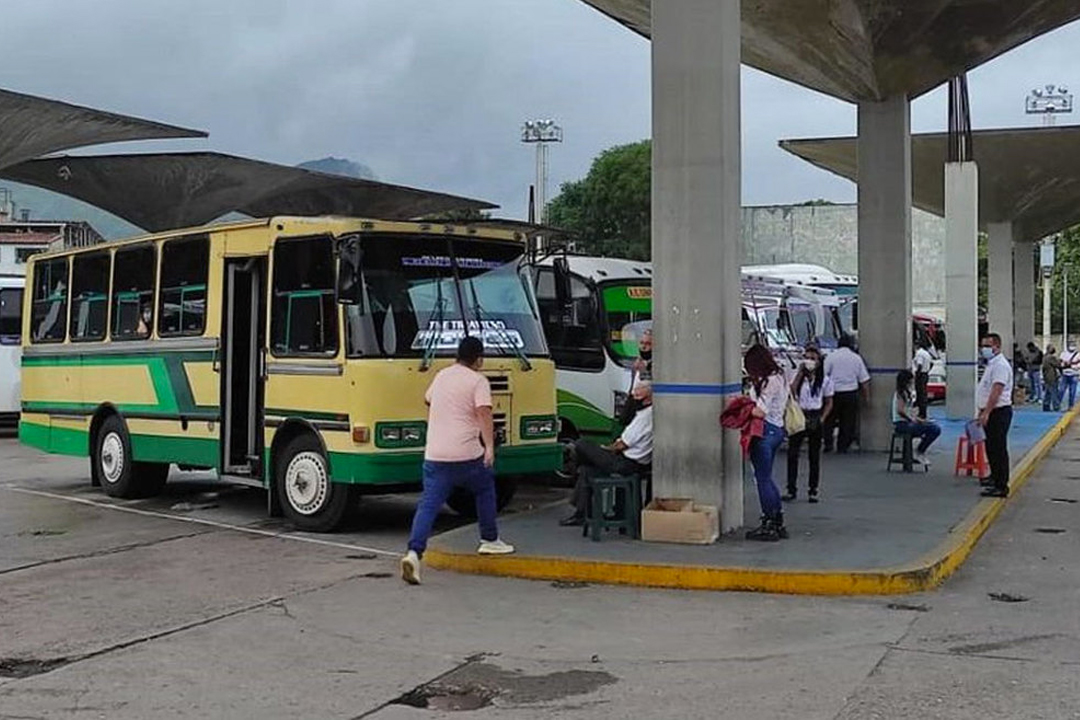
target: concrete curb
<point>926,573</point>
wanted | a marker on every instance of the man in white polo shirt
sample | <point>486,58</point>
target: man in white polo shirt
<point>849,376</point>
<point>994,400</point>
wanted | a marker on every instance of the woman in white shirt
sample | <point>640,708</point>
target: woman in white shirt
<point>814,392</point>
<point>906,419</point>
<point>769,390</point>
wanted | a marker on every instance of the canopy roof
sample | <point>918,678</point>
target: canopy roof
<point>1027,176</point>
<point>32,126</point>
<point>169,190</point>
<point>874,49</point>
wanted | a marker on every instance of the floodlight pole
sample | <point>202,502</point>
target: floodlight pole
<point>541,133</point>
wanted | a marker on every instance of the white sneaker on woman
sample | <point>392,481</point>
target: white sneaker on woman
<point>410,568</point>
<point>495,547</point>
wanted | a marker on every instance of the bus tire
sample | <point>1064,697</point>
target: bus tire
<point>308,498</point>
<point>463,502</point>
<point>112,460</point>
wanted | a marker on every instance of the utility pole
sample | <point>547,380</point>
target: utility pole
<point>541,133</point>
<point>1046,260</point>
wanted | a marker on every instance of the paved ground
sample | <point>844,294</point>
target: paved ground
<point>868,518</point>
<point>112,614</point>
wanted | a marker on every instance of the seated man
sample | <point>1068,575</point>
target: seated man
<point>629,455</point>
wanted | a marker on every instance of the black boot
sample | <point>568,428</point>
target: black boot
<point>778,526</point>
<point>765,532</point>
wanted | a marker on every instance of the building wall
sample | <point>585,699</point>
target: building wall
<point>828,235</point>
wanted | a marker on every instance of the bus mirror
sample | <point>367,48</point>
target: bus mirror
<point>348,280</point>
<point>563,293</point>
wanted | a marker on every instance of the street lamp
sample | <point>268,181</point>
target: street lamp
<point>1049,101</point>
<point>541,133</point>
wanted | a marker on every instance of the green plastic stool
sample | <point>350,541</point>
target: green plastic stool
<point>603,493</point>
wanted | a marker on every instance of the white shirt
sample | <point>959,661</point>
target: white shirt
<point>773,400</point>
<point>847,370</point>
<point>997,370</point>
<point>637,437</point>
<point>1067,359</point>
<point>923,361</point>
<point>808,400</point>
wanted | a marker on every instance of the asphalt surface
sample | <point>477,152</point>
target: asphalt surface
<point>139,610</point>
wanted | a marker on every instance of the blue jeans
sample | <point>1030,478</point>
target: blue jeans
<point>1069,386</point>
<point>1052,396</point>
<point>1035,382</point>
<point>762,453</point>
<point>927,433</point>
<point>440,479</point>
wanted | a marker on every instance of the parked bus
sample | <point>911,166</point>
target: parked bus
<point>11,296</point>
<point>287,353</point>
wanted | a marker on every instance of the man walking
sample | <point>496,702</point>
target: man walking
<point>1034,365</point>
<point>460,452</point>
<point>994,400</point>
<point>850,378</point>
<point>1070,362</point>
<point>920,366</point>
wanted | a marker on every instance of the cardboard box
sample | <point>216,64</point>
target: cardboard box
<point>679,520</point>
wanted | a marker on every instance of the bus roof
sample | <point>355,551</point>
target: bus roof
<point>602,269</point>
<point>803,273</point>
<point>300,225</point>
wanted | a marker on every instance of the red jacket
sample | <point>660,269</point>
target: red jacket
<point>739,415</point>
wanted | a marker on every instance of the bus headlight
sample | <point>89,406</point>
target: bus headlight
<point>400,434</point>
<point>545,426</point>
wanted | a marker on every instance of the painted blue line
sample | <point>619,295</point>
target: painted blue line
<point>885,371</point>
<point>695,389</point>
<point>962,363</point>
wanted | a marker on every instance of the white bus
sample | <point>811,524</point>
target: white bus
<point>11,294</point>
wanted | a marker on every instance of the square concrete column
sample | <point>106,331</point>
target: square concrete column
<point>962,285</point>
<point>1002,284</point>
<point>696,250</point>
<point>884,149</point>
<point>1024,292</point>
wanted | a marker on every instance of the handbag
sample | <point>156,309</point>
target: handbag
<point>794,417</point>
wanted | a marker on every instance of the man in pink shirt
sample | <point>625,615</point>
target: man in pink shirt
<point>460,452</point>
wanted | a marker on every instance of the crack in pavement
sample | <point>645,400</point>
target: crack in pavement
<point>460,666</point>
<point>986,656</point>
<point>105,552</point>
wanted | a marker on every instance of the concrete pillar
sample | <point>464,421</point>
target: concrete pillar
<point>696,250</point>
<point>962,285</point>
<point>1002,284</point>
<point>1024,292</point>
<point>884,149</point>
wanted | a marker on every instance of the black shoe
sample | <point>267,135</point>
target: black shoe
<point>765,532</point>
<point>791,496</point>
<point>778,526</point>
<point>575,520</point>
<point>986,482</point>
<point>995,492</point>
<point>813,498</point>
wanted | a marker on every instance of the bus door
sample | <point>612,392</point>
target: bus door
<point>243,371</point>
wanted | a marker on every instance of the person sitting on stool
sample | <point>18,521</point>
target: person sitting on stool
<point>630,454</point>
<point>907,420</point>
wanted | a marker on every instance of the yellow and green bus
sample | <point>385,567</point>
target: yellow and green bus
<point>289,353</point>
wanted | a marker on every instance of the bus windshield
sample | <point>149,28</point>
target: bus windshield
<point>628,310</point>
<point>413,306</point>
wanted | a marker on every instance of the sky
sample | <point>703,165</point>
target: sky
<point>433,94</point>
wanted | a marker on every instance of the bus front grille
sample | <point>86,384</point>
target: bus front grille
<point>499,383</point>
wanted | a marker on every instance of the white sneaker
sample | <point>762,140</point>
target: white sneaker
<point>410,568</point>
<point>922,460</point>
<point>495,547</point>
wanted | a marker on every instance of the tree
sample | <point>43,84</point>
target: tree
<point>610,209</point>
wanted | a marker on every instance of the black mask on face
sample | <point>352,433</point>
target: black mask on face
<point>646,355</point>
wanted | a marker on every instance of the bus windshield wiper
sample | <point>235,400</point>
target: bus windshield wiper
<point>433,339</point>
<point>504,337</point>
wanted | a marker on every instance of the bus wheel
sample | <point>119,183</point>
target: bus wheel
<point>302,480</point>
<point>112,459</point>
<point>463,503</point>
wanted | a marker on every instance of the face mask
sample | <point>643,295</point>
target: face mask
<point>646,355</point>
<point>810,365</point>
<point>1072,348</point>
<point>987,353</point>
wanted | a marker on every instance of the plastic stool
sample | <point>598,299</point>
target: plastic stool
<point>971,457</point>
<point>906,457</point>
<point>600,490</point>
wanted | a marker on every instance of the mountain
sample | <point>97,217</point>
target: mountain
<point>46,205</point>
<point>339,166</point>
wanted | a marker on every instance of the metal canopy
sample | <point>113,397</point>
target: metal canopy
<point>32,126</point>
<point>1026,176</point>
<point>164,191</point>
<point>874,49</point>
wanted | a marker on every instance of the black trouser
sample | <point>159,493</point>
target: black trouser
<point>594,460</point>
<point>845,414</point>
<point>921,401</point>
<point>997,446</point>
<point>812,435</point>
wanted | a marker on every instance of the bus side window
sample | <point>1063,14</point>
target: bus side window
<point>304,312</point>
<point>133,292</point>
<point>89,296</point>
<point>10,315</point>
<point>577,342</point>
<point>182,300</point>
<point>48,319</point>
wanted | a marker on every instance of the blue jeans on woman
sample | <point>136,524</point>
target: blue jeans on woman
<point>440,479</point>
<point>1035,383</point>
<point>926,433</point>
<point>762,453</point>
<point>1069,386</point>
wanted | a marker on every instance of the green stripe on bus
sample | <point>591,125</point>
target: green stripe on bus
<point>583,415</point>
<point>203,452</point>
<point>61,441</point>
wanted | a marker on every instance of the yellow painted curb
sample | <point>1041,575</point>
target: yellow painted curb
<point>927,572</point>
